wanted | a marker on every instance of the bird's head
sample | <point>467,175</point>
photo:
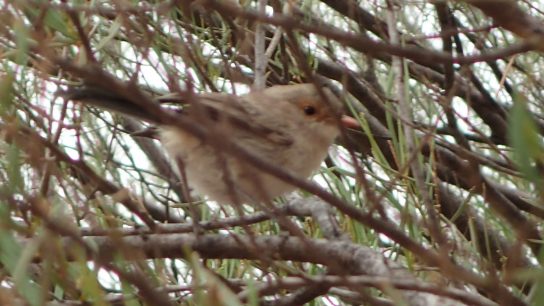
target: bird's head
<point>313,109</point>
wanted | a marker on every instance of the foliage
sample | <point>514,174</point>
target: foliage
<point>436,199</point>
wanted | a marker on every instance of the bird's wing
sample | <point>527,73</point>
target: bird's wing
<point>239,112</point>
<point>213,106</point>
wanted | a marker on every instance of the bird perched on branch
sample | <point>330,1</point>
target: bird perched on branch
<point>290,126</point>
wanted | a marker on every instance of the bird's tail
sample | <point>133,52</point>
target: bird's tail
<point>106,100</point>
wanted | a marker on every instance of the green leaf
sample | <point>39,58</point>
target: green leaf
<point>90,288</point>
<point>15,261</point>
<point>6,94</point>
<point>22,41</point>
<point>524,139</point>
<point>209,290</point>
<point>54,21</point>
<point>13,160</point>
<point>113,31</point>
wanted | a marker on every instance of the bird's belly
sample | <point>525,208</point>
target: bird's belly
<point>228,179</point>
<point>223,178</point>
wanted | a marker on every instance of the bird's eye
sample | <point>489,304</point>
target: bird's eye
<point>309,110</point>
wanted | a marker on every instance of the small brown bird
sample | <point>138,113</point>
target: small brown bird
<point>290,126</point>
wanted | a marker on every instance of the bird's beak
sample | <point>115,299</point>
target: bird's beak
<point>350,122</point>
